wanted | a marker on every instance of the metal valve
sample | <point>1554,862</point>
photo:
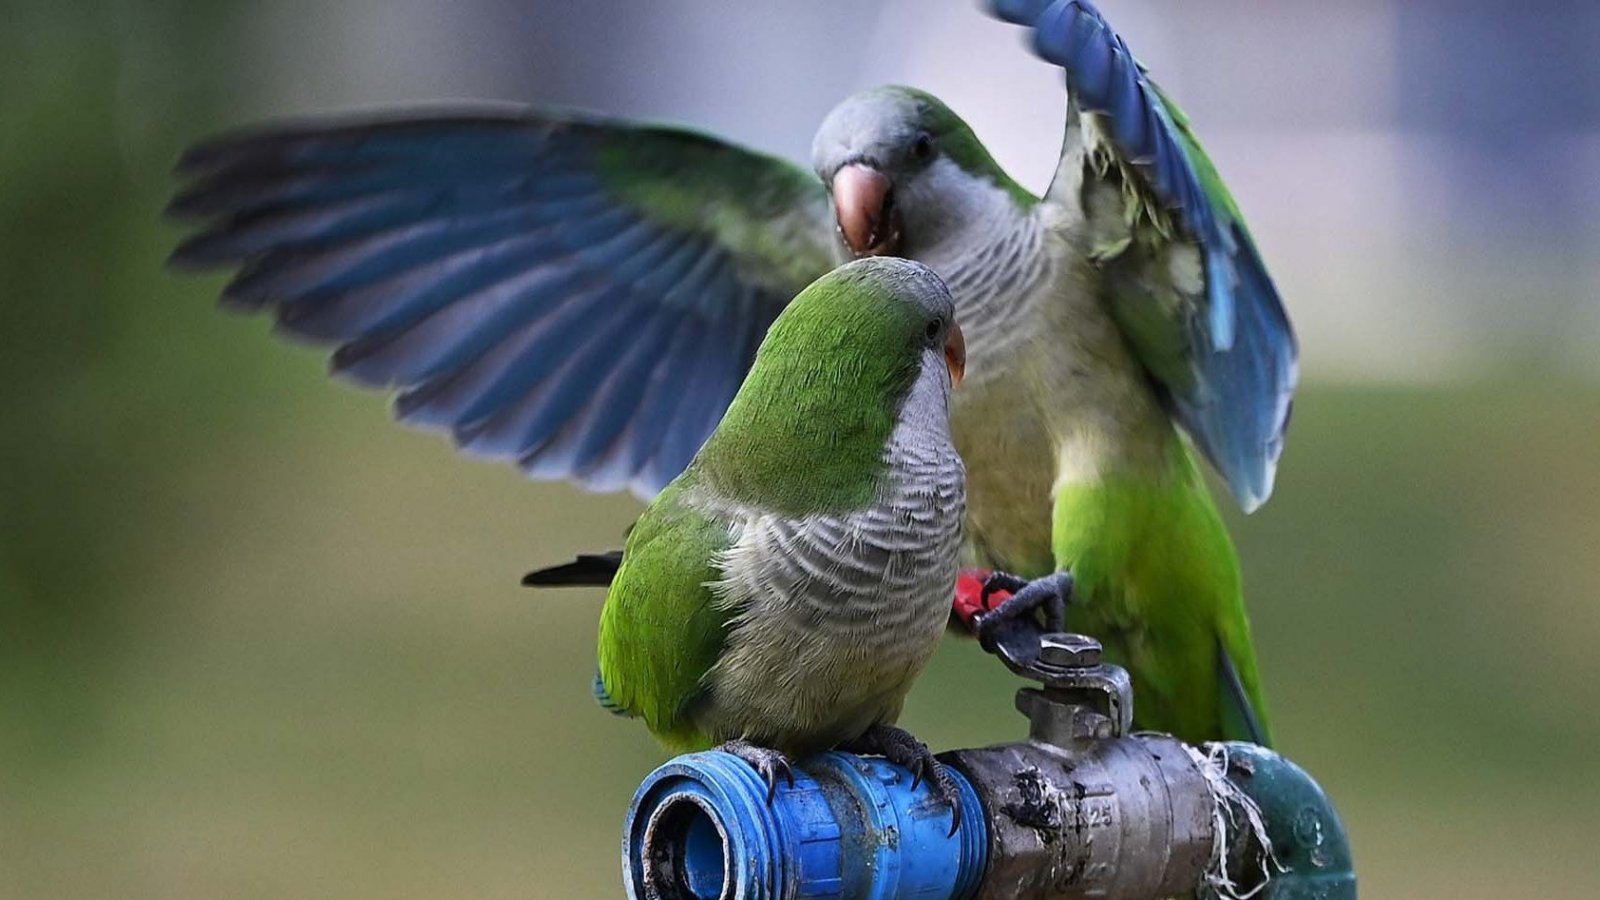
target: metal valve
<point>1081,809</point>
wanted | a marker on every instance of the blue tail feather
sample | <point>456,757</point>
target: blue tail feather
<point>602,697</point>
<point>1241,721</point>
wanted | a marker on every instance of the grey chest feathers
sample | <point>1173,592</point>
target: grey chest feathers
<point>836,615</point>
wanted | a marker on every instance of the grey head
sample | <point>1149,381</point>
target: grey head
<point>899,164</point>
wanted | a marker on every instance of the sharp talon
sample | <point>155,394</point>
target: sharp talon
<point>945,787</point>
<point>768,763</point>
<point>1000,583</point>
<point>1050,595</point>
<point>779,768</point>
<point>900,748</point>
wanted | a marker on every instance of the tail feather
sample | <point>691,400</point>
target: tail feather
<point>1240,719</point>
<point>603,697</point>
<point>588,570</point>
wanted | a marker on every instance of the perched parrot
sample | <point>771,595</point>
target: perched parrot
<point>780,596</point>
<point>583,295</point>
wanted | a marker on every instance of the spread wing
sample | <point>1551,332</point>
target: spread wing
<point>1183,277</point>
<point>580,295</point>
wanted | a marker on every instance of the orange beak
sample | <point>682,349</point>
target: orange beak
<point>955,354</point>
<point>863,202</point>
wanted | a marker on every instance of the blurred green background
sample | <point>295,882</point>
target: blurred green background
<point>255,641</point>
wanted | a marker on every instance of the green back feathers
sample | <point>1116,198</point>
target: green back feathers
<point>807,431</point>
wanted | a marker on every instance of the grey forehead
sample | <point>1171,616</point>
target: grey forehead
<point>864,125</point>
<point>909,280</point>
<point>926,287</point>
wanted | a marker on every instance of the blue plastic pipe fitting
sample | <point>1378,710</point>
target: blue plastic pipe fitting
<point>700,828</point>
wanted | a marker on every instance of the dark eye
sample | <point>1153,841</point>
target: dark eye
<point>934,327</point>
<point>922,147</point>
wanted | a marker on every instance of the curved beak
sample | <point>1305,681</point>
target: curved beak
<point>863,200</point>
<point>955,354</point>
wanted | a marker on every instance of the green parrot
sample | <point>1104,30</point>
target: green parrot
<point>781,595</point>
<point>1125,307</point>
<point>582,296</point>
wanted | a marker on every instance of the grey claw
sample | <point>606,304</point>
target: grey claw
<point>945,787</point>
<point>1051,594</point>
<point>768,763</point>
<point>1001,581</point>
<point>901,748</point>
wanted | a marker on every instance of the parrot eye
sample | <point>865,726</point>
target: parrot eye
<point>922,147</point>
<point>934,327</point>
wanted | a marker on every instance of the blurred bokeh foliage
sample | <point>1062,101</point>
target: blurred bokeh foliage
<point>255,641</point>
<point>103,390</point>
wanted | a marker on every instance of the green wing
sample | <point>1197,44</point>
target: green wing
<point>662,630</point>
<point>579,295</point>
<point>1157,579</point>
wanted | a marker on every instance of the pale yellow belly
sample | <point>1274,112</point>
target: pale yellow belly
<point>1011,470</point>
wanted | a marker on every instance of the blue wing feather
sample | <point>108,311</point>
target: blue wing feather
<point>1019,12</point>
<point>394,264</point>
<point>664,399</point>
<point>541,412</point>
<point>562,439</point>
<point>341,310</point>
<point>1241,358</point>
<point>500,376</point>
<point>660,394</point>
<point>707,395</point>
<point>593,438</point>
<point>460,331</point>
<point>485,266</point>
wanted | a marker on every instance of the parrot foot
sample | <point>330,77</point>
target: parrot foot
<point>899,747</point>
<point>1051,594</point>
<point>970,602</point>
<point>768,763</point>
